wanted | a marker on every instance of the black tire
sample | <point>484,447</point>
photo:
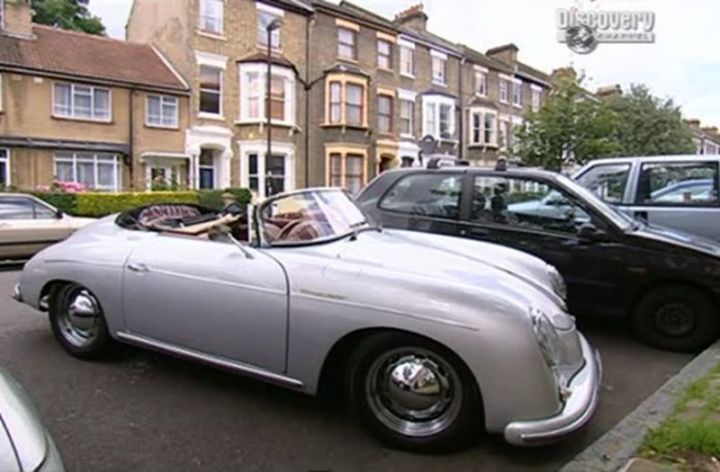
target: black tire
<point>676,318</point>
<point>459,420</point>
<point>98,344</point>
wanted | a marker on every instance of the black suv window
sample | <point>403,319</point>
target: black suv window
<point>432,194</point>
<point>525,203</point>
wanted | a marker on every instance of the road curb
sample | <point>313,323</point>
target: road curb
<point>617,446</point>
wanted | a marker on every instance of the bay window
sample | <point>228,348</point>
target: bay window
<point>439,116</point>
<point>346,170</point>
<point>81,102</point>
<point>162,111</point>
<point>346,100</point>
<point>253,82</point>
<point>212,16</point>
<point>98,171</point>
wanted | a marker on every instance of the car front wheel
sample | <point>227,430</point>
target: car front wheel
<point>78,323</point>
<point>413,393</point>
<point>676,318</point>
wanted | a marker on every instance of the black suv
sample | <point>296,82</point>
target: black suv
<point>669,282</point>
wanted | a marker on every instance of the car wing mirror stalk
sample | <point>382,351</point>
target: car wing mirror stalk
<point>241,246</point>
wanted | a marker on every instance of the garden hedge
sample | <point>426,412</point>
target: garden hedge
<point>96,204</point>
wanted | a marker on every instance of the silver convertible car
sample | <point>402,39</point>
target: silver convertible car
<point>430,336</point>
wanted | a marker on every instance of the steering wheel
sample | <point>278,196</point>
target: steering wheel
<point>283,234</point>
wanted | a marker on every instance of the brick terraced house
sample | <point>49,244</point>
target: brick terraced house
<point>353,93</point>
<point>74,107</point>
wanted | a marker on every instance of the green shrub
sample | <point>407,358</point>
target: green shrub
<point>62,201</point>
<point>213,198</point>
<point>101,204</point>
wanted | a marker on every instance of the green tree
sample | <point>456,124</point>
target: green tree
<point>571,127</point>
<point>649,126</point>
<point>67,14</point>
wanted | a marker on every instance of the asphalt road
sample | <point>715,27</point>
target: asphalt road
<point>149,412</point>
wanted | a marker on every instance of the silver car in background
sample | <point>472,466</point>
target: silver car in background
<point>430,336</point>
<point>674,191</point>
<point>25,444</point>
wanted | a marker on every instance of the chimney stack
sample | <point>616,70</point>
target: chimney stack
<point>693,123</point>
<point>609,91</point>
<point>507,54</point>
<point>17,18</point>
<point>414,17</point>
<point>564,73</point>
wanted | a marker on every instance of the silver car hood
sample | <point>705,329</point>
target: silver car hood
<point>456,260</point>
<point>21,424</point>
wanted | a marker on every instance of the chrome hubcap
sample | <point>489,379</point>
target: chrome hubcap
<point>675,319</point>
<point>413,391</point>
<point>79,320</point>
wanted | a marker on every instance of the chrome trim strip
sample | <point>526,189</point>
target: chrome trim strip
<point>210,359</point>
<point>209,280</point>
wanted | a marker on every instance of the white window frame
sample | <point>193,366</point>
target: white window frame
<point>72,115</point>
<point>434,102</point>
<point>260,149</point>
<point>164,100</point>
<point>244,71</point>
<point>482,113</point>
<point>2,15</point>
<point>439,58</point>
<point>275,38</point>
<point>73,159</point>
<point>408,47</point>
<point>5,157</point>
<point>221,20</point>
<point>516,93</point>
<point>404,95</point>
<point>218,62</point>
<point>536,96</point>
<point>504,92</point>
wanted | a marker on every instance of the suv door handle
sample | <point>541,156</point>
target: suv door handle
<point>137,267</point>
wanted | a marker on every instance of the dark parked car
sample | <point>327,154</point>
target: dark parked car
<point>668,282</point>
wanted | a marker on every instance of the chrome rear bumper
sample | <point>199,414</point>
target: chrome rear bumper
<point>16,294</point>
<point>577,411</point>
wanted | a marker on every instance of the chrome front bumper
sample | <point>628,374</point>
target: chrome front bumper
<point>577,411</point>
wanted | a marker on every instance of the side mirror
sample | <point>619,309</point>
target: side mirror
<point>591,232</point>
<point>59,214</point>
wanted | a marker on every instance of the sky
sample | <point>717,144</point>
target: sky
<point>683,63</point>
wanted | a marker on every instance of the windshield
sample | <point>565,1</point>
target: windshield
<point>618,218</point>
<point>309,216</point>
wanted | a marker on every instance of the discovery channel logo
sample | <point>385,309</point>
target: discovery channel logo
<point>583,30</point>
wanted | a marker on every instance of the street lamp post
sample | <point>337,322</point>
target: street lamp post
<point>272,26</point>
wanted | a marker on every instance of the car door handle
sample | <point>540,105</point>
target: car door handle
<point>137,267</point>
<point>643,215</point>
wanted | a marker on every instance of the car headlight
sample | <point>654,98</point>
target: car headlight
<point>558,282</point>
<point>547,337</point>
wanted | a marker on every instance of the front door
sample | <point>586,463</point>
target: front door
<point>539,218</point>
<point>209,297</point>
<point>424,201</point>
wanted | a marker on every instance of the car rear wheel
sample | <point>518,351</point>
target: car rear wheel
<point>677,318</point>
<point>78,323</point>
<point>413,393</point>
